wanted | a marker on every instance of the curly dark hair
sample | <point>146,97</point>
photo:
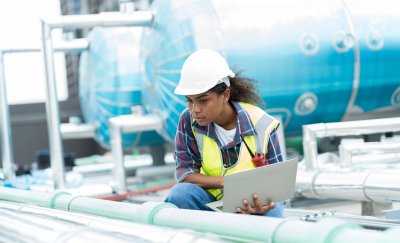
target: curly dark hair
<point>242,90</point>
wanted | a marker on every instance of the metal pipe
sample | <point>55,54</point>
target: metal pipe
<point>376,186</point>
<point>127,123</point>
<point>111,19</point>
<point>118,157</point>
<point>36,228</point>
<point>76,45</point>
<point>139,18</point>
<point>53,114</point>
<point>6,138</point>
<point>145,232</point>
<point>5,128</point>
<point>363,153</point>
<point>335,129</point>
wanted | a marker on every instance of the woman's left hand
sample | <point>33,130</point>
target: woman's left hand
<point>258,207</point>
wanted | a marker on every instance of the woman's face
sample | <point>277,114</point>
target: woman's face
<point>206,107</point>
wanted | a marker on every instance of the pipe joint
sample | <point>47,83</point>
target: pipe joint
<point>52,202</point>
<point>327,229</point>
<point>148,210</point>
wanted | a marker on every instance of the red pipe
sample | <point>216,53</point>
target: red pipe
<point>124,196</point>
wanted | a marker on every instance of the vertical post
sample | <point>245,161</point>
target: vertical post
<point>53,115</point>
<point>310,148</point>
<point>5,128</point>
<point>118,157</point>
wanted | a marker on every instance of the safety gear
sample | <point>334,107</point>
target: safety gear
<point>201,71</point>
<point>212,164</point>
<point>257,158</point>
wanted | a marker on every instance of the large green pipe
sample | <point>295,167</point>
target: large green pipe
<point>230,226</point>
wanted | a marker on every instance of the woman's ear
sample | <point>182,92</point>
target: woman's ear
<point>227,95</point>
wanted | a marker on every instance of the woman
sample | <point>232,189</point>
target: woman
<point>221,117</point>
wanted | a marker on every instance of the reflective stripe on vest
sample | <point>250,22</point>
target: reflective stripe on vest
<point>212,163</point>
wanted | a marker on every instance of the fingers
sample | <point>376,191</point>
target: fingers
<point>258,206</point>
<point>246,209</point>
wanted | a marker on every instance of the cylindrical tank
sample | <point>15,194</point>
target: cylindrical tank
<point>110,82</point>
<point>310,58</point>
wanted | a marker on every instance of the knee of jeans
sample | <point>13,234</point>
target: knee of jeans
<point>180,192</point>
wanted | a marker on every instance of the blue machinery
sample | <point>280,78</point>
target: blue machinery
<point>315,62</point>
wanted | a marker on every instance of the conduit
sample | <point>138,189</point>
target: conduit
<point>231,226</point>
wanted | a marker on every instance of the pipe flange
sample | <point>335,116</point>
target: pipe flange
<point>53,197</point>
<point>148,210</point>
<point>306,104</point>
<point>343,42</point>
<point>395,100</point>
<point>374,40</point>
<point>309,44</point>
<point>326,230</point>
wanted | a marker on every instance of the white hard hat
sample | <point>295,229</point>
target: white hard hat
<point>201,71</point>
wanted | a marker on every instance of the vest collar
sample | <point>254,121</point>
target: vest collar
<point>244,124</point>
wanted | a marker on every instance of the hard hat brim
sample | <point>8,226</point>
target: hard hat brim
<point>195,91</point>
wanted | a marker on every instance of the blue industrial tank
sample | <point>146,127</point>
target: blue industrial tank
<point>110,82</point>
<point>315,61</point>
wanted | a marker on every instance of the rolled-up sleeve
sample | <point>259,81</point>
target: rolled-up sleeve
<point>187,156</point>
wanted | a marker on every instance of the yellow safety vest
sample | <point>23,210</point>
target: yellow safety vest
<point>212,163</point>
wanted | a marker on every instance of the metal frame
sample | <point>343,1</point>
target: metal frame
<point>76,45</point>
<point>139,18</point>
<point>335,129</point>
<point>124,124</point>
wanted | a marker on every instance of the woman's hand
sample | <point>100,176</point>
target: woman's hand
<point>257,209</point>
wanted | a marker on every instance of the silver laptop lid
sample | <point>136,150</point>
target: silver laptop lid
<point>275,182</point>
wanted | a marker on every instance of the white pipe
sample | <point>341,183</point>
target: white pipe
<point>368,153</point>
<point>146,232</point>
<point>379,186</point>
<point>335,129</point>
<point>76,45</point>
<point>140,18</point>
<point>112,19</point>
<point>53,115</point>
<point>127,123</point>
<point>5,128</point>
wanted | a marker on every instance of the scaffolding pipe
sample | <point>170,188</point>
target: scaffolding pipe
<point>371,186</point>
<point>111,19</point>
<point>229,226</point>
<point>140,18</point>
<point>52,109</point>
<point>104,225</point>
<point>5,128</point>
<point>77,45</point>
<point>336,129</point>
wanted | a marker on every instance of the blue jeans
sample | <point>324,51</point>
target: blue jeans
<point>190,196</point>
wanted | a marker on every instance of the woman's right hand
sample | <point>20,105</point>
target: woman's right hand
<point>259,208</point>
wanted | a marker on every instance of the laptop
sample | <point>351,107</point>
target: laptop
<point>275,182</point>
